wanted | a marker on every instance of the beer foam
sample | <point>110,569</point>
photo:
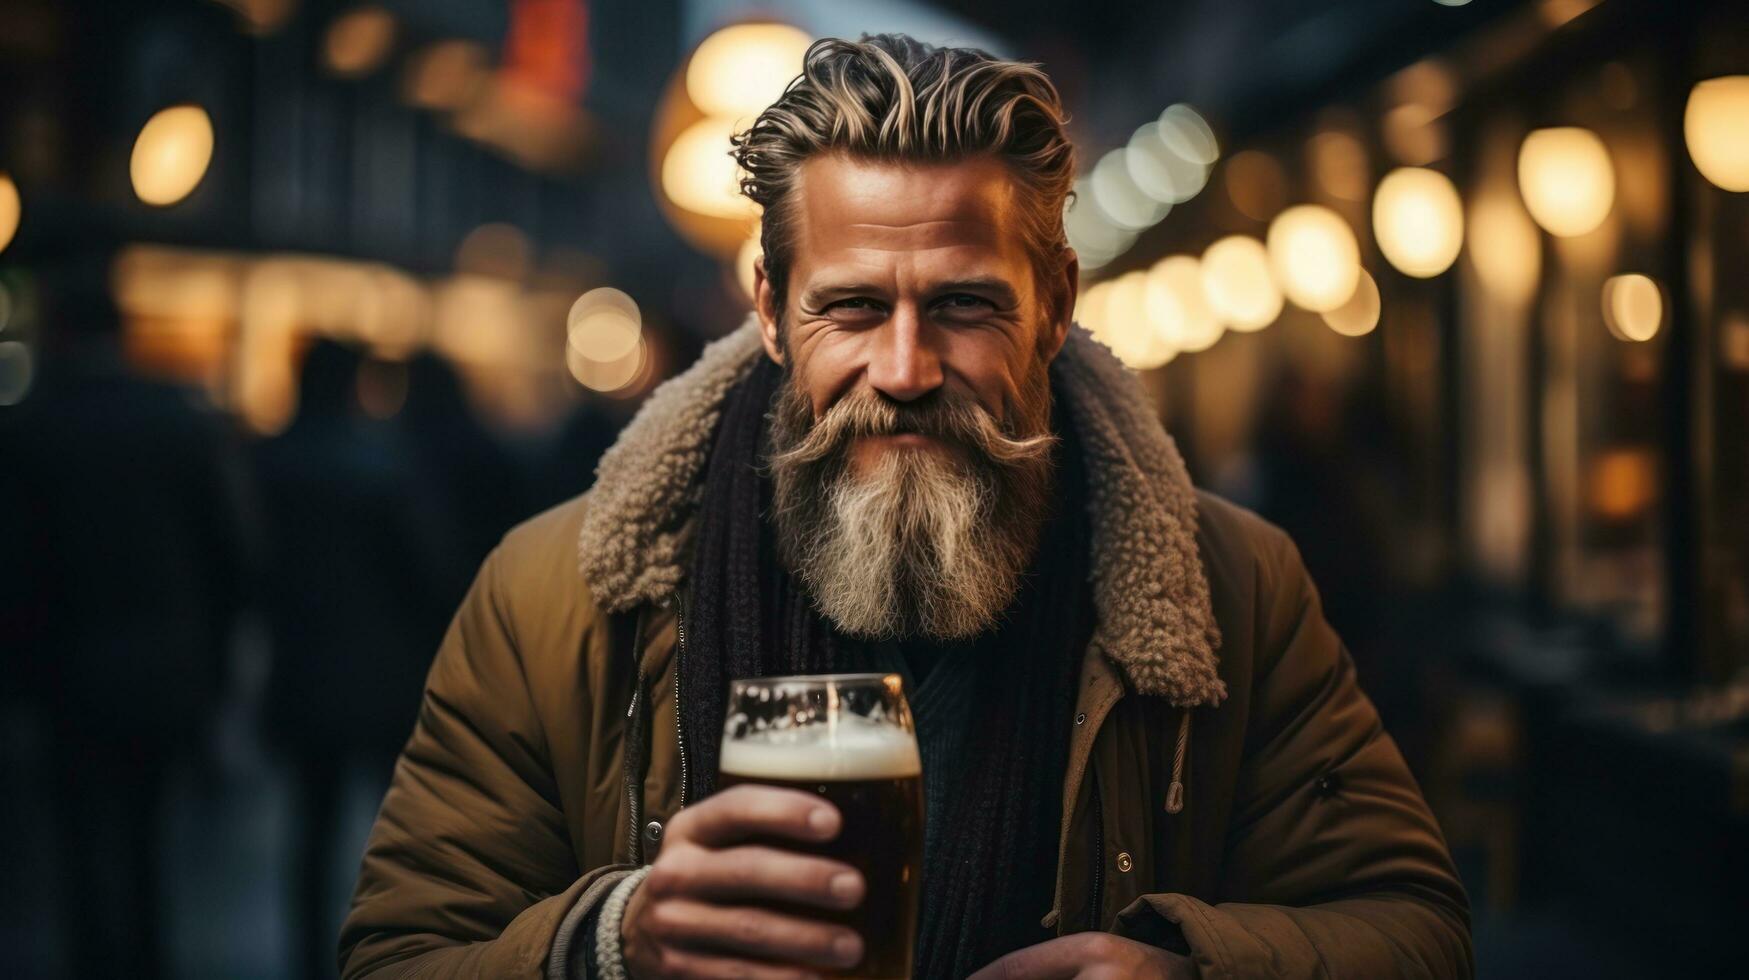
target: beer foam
<point>834,753</point>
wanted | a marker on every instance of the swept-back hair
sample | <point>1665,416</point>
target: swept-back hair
<point>891,97</point>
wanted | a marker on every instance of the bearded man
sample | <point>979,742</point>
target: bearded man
<point>1145,752</point>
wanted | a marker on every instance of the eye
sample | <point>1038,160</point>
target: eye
<point>965,303</point>
<point>856,304</point>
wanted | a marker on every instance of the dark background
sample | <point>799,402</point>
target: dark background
<point>255,440</point>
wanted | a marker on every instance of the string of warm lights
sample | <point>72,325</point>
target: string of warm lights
<point>1132,188</point>
<point>1310,256</point>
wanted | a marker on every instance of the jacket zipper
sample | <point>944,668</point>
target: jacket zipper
<point>679,672</point>
<point>1098,852</point>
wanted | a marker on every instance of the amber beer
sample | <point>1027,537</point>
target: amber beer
<point>848,738</point>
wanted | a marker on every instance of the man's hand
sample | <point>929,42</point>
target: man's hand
<point>705,909</point>
<point>1089,956</point>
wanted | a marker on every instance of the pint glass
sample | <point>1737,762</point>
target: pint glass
<point>848,738</point>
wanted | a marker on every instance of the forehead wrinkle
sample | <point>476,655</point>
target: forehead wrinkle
<point>922,236</point>
<point>920,225</point>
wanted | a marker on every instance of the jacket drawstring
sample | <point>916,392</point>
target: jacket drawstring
<point>1175,792</point>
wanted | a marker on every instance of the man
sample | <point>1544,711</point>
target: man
<point>1144,750</point>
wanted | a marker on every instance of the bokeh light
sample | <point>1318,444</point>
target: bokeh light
<point>699,175</point>
<point>1090,309</point>
<point>171,154</point>
<point>1167,161</point>
<point>1338,162</point>
<point>741,69</point>
<point>11,210</point>
<point>1566,179</point>
<point>446,75</point>
<point>1633,307</point>
<point>604,325</point>
<point>1238,283</point>
<point>1118,197</point>
<point>1177,306</point>
<point>1315,257</point>
<point>358,41</point>
<point>1504,247</point>
<point>396,311</point>
<point>1414,134</point>
<point>608,377</point>
<point>1715,126</point>
<point>1430,82</point>
<point>1169,158</point>
<point>269,311</point>
<point>1623,483</point>
<point>1418,221</point>
<point>1360,314</point>
<point>1094,238</point>
<point>1131,333</point>
<point>1188,135</point>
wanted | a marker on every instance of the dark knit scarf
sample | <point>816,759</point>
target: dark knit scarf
<point>991,882</point>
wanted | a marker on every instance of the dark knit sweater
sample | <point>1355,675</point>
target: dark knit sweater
<point>941,682</point>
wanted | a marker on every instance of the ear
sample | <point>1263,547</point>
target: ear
<point>765,303</point>
<point>1062,293</point>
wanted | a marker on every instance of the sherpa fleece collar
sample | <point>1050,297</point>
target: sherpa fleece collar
<point>1155,623</point>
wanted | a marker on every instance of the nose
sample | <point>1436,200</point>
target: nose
<point>903,365</point>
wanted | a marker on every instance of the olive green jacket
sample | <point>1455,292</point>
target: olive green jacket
<point>1229,791</point>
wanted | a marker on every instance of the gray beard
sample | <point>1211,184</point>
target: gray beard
<point>923,544</point>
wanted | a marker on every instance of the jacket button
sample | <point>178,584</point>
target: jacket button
<point>1081,718</point>
<point>1123,861</point>
<point>653,831</point>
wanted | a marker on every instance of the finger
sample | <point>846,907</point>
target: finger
<point>680,963</point>
<point>1058,959</point>
<point>754,872</point>
<point>748,811</point>
<point>756,933</point>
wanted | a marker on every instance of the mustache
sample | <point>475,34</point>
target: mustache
<point>948,414</point>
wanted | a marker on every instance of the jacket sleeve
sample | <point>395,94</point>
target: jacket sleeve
<point>1335,867</point>
<point>469,871</point>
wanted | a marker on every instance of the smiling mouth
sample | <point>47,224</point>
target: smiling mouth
<point>867,449</point>
<point>903,439</point>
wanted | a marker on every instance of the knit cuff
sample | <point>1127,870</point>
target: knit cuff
<point>573,955</point>
<point>609,958</point>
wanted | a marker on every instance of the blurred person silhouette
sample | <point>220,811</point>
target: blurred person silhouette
<point>360,555</point>
<point>124,566</point>
<point>480,485</point>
